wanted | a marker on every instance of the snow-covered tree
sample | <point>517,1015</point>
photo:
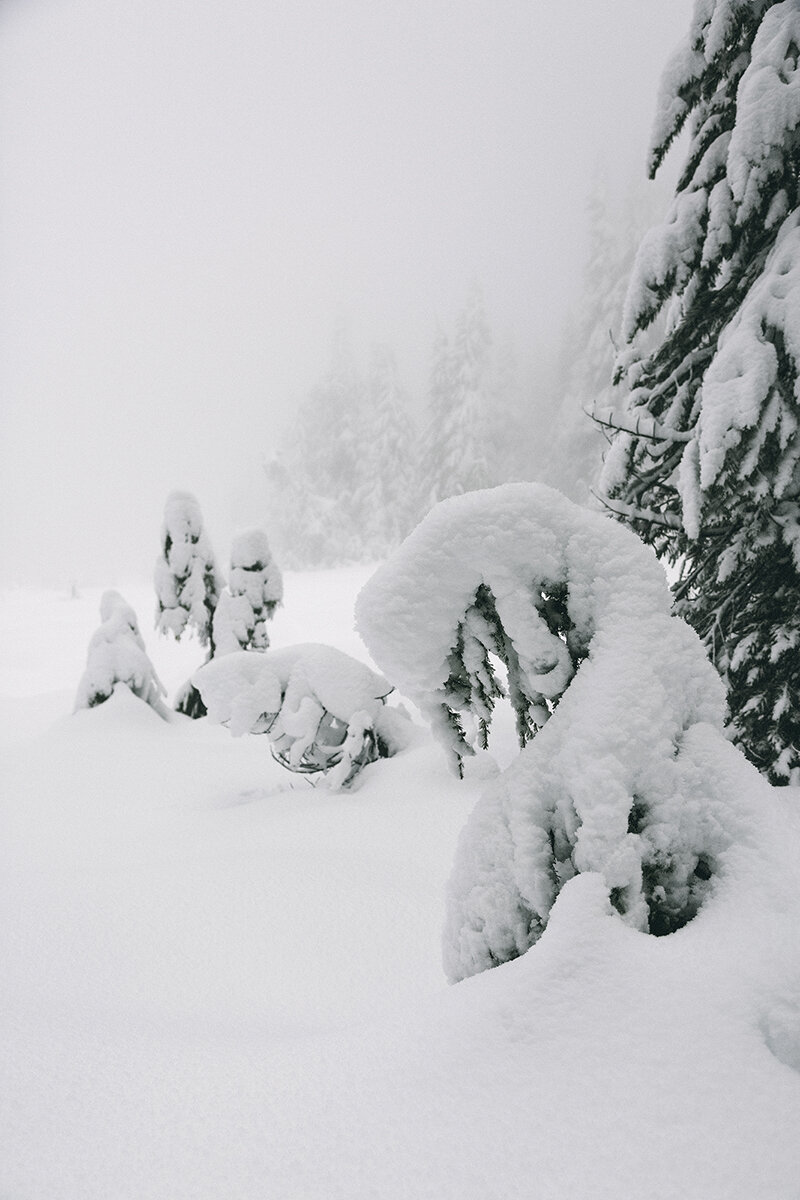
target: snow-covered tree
<point>317,477</point>
<point>457,439</point>
<point>514,431</point>
<point>574,451</point>
<point>387,500</point>
<point>624,763</point>
<point>254,591</point>
<point>117,657</point>
<point>705,463</point>
<point>440,388</point>
<point>302,518</point>
<point>331,444</point>
<point>353,473</point>
<point>187,581</point>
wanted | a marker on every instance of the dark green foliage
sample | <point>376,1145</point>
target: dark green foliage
<point>472,685</point>
<point>715,487</point>
<point>189,702</point>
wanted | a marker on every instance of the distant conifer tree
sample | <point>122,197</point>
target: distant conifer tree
<point>456,448</point>
<point>387,500</point>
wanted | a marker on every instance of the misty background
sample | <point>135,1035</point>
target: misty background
<point>194,197</point>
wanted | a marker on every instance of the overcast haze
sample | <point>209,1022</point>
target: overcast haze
<point>193,194</point>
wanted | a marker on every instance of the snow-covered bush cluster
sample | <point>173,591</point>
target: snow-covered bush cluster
<point>321,709</point>
<point>623,776</point>
<point>192,594</point>
<point>254,591</point>
<point>117,656</point>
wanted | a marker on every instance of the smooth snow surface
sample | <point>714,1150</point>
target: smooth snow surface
<point>220,983</point>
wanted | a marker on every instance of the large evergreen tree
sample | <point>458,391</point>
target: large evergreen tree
<point>705,462</point>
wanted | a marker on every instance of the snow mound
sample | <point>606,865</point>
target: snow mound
<point>624,777</point>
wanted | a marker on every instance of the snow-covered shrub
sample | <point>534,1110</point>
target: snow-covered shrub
<point>626,709</point>
<point>188,584</point>
<point>117,656</point>
<point>321,709</point>
<point>187,581</point>
<point>255,589</point>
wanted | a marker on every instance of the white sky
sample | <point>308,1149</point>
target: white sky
<point>192,193</point>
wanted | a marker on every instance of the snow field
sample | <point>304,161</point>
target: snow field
<point>220,983</point>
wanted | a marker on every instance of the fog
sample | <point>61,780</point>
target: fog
<point>194,194</point>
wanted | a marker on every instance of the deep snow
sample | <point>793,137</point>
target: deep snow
<point>221,982</point>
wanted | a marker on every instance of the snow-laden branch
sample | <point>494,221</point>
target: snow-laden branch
<point>621,509</point>
<point>321,710</point>
<point>638,426</point>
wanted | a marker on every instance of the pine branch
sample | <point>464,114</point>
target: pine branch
<point>666,520</point>
<point>641,427</point>
<point>658,474</point>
